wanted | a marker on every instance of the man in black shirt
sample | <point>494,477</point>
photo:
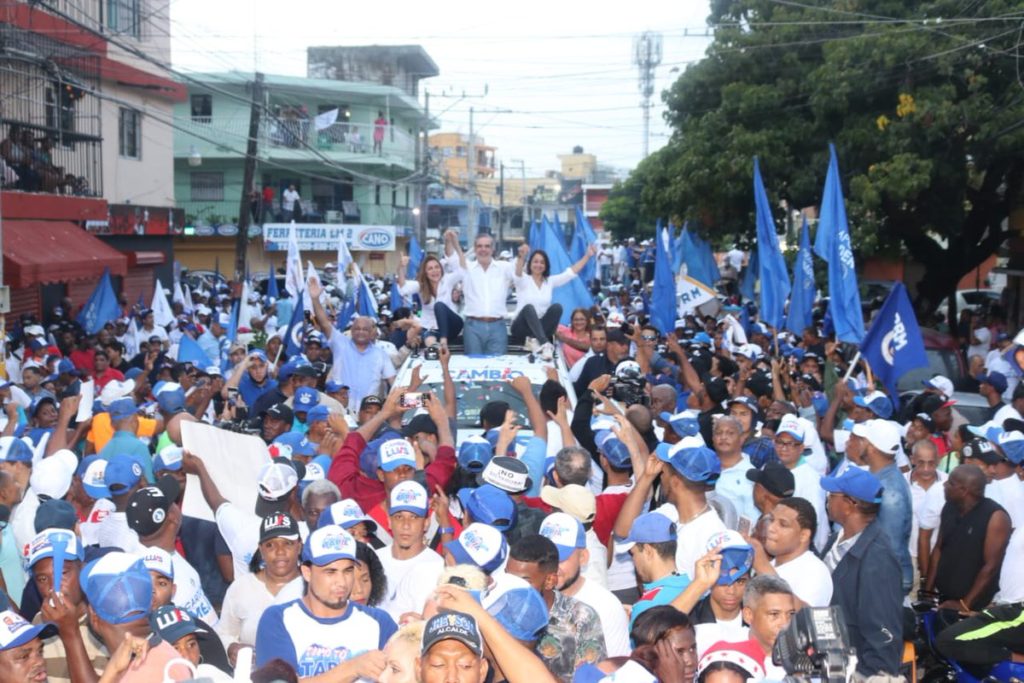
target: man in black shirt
<point>603,364</point>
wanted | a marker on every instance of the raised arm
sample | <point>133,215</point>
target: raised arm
<point>589,254</point>
<point>452,246</point>
<point>450,399</point>
<point>521,254</point>
<point>402,267</point>
<point>193,465</point>
<point>318,309</point>
<point>636,499</point>
<point>533,410</point>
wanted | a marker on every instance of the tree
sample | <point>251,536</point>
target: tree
<point>927,115</point>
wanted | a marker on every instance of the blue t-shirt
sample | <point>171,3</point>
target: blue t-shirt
<point>250,391</point>
<point>660,592</point>
<point>126,443</point>
<point>313,645</point>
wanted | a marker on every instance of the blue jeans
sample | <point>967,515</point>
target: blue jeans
<point>484,338</point>
<point>449,323</point>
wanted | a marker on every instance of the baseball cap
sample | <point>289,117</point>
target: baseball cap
<point>169,459</point>
<point>53,543</point>
<point>489,505</point>
<point>737,555</point>
<point>877,402</point>
<point>1009,441</point>
<point>578,501</point>
<point>395,453</point>
<point>297,366</point>
<point>698,464</point>
<point>291,444</point>
<point>122,473</point>
<point>115,390</point>
<point>171,400</point>
<point>172,623</point>
<point>409,496</point>
<point>91,471</point>
<point>419,424</point>
<point>522,612</point>
<point>981,448</point>
<point>508,474</point>
<point>745,401</point>
<point>275,480</point>
<point>118,587</point>
<point>147,507</point>
<point>13,449</point>
<point>54,514</point>
<point>66,367</point>
<point>650,527</point>
<point>281,412</point>
<point>51,476</point>
<point>941,384</point>
<point>775,477</point>
<point>304,399</point>
<point>474,453</point>
<point>370,401</point>
<point>480,545</point>
<point>318,413</point>
<point>683,423</point>
<point>346,513</point>
<point>329,544</point>
<point>882,434</point>
<point>613,449</point>
<point>158,560</point>
<point>747,655</point>
<point>566,532</point>
<point>315,469</point>
<point>453,626</point>
<point>121,408</point>
<point>18,631</point>
<point>790,424</point>
<point>279,525</point>
<point>996,379</point>
<point>332,387</point>
<point>856,483</point>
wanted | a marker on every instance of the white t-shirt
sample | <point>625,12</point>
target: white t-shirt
<point>808,577</point>
<point>808,487</point>
<point>692,537</point>
<point>731,631</point>
<point>1011,588</point>
<point>244,603</point>
<point>485,291</point>
<point>528,292</point>
<point>613,617</point>
<point>927,506</point>
<point>241,532</point>
<point>1009,493</point>
<point>409,581</point>
<point>288,199</point>
<point>734,257</point>
<point>734,485</point>
<point>597,568</point>
<point>188,593</point>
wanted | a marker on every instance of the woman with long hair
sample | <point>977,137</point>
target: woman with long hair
<point>437,316</point>
<point>535,315</point>
<point>575,337</point>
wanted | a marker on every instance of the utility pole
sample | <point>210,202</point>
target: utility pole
<point>244,213</point>
<point>471,181</point>
<point>424,167</point>
<point>647,55</point>
<point>526,218</point>
<point>501,205</point>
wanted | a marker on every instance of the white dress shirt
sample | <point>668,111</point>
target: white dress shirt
<point>528,292</point>
<point>486,290</point>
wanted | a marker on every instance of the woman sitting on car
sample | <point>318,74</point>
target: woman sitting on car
<point>535,315</point>
<point>437,317</point>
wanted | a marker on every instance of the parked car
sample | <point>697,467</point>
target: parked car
<point>971,299</point>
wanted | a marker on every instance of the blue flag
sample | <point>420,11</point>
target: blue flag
<point>345,315</point>
<point>749,278</point>
<point>832,243</point>
<point>572,294</point>
<point>396,297</point>
<point>771,266</point>
<point>801,299</point>
<point>536,236</point>
<point>272,290</point>
<point>678,246</point>
<point>893,346</point>
<point>232,331</point>
<point>663,294</point>
<point>366,303</point>
<point>101,307</point>
<point>700,261</point>
<point>583,226</point>
<point>296,328</point>
<point>415,258</point>
<point>189,351</point>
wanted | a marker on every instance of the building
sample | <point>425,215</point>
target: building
<point>87,138</point>
<point>316,134</point>
<point>449,155</point>
<point>578,165</point>
<point>594,197</point>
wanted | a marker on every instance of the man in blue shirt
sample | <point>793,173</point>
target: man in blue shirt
<point>124,418</point>
<point>213,341</point>
<point>652,544</point>
<point>324,630</point>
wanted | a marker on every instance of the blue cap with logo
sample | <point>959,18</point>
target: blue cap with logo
<point>13,449</point>
<point>480,545</point>
<point>409,496</point>
<point>474,453</point>
<point>18,631</point>
<point>566,532</point>
<point>122,474</point>
<point>305,398</point>
<point>737,555</point>
<point>490,505</point>
<point>856,483</point>
<point>346,514</point>
<point>877,402</point>
<point>92,471</point>
<point>169,459</point>
<point>683,423</point>
<point>329,544</point>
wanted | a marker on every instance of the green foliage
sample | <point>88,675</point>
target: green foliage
<point>925,114</point>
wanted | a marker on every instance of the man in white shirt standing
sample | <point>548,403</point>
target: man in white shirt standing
<point>485,288</point>
<point>411,567</point>
<point>288,199</point>
<point>789,445</point>
<point>568,535</point>
<point>928,498</point>
<point>791,528</point>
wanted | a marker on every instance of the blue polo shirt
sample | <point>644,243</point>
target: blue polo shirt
<point>126,443</point>
<point>660,592</point>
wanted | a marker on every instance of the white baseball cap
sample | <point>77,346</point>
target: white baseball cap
<point>158,560</point>
<point>566,532</point>
<point>51,476</point>
<point>409,496</point>
<point>395,453</point>
<point>882,434</point>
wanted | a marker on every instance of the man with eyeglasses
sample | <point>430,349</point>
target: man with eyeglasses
<point>789,446</point>
<point>485,286</point>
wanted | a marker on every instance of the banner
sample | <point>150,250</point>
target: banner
<point>232,460</point>
<point>325,236</point>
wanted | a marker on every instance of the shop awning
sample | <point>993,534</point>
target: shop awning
<point>37,252</point>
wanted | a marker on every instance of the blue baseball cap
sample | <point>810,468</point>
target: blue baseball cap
<point>123,473</point>
<point>38,401</point>
<point>121,408</point>
<point>169,459</point>
<point>480,545</point>
<point>566,532</point>
<point>66,367</point>
<point>737,555</point>
<point>684,423</point>
<point>132,373</point>
<point>55,513</point>
<point>996,379</point>
<point>329,544</point>
<point>698,464</point>
<point>19,632</point>
<point>291,367</point>
<point>346,514</point>
<point>172,623</point>
<point>489,505</point>
<point>1010,442</point>
<point>305,398</point>
<point>369,459</point>
<point>409,496</point>
<point>395,453</point>
<point>118,587</point>
<point>877,402</point>
<point>332,387</point>
<point>13,449</point>
<point>297,443</point>
<point>650,527</point>
<point>92,471</point>
<point>53,542</point>
<point>474,453</point>
<point>171,400</point>
<point>522,612</point>
<point>856,483</point>
<point>317,413</point>
<point>613,449</point>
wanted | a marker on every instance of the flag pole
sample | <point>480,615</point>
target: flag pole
<point>853,364</point>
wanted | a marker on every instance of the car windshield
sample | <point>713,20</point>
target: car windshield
<point>473,396</point>
<point>940,362</point>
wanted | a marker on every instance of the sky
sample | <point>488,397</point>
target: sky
<point>541,76</point>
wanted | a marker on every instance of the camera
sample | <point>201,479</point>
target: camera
<point>628,383</point>
<point>431,352</point>
<point>816,646</point>
<point>413,399</point>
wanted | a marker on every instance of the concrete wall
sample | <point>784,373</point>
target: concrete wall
<point>148,180</point>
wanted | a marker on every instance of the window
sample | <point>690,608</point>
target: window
<point>376,195</point>
<point>129,128</point>
<point>207,187</point>
<point>202,108</point>
<point>123,16</point>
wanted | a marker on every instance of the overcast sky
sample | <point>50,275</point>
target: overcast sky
<point>557,74</point>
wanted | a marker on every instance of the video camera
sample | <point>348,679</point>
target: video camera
<point>628,383</point>
<point>816,646</point>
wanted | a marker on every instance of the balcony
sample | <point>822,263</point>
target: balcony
<point>294,139</point>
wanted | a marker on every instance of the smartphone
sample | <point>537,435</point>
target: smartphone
<point>744,525</point>
<point>232,393</point>
<point>413,399</point>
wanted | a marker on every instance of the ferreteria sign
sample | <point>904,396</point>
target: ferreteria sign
<point>325,236</point>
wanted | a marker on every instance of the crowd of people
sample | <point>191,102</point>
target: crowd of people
<point>659,510</point>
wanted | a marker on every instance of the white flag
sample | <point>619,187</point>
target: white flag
<point>162,313</point>
<point>190,305</point>
<point>344,256</point>
<point>131,339</point>
<point>178,296</point>
<point>326,120</point>
<point>311,274</point>
<point>293,266</point>
<point>692,294</point>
